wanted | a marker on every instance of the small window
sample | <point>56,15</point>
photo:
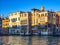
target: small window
<point>20,15</point>
<point>25,15</point>
<point>39,15</point>
<point>54,15</point>
<point>14,19</point>
<point>45,14</point>
<point>42,14</point>
<point>19,18</point>
<point>34,14</point>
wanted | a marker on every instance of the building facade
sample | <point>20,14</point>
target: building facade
<point>25,22</point>
<point>43,21</point>
<point>1,25</point>
<point>36,22</point>
<point>19,22</point>
<point>5,25</point>
<point>14,23</point>
<point>58,19</point>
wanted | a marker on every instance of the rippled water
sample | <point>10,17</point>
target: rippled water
<point>29,40</point>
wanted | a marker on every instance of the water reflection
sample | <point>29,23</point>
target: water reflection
<point>29,40</point>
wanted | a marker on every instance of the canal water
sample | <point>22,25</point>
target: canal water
<point>29,40</point>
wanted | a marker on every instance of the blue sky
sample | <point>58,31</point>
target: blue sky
<point>7,6</point>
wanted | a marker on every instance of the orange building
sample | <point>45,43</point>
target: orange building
<point>5,25</point>
<point>58,19</point>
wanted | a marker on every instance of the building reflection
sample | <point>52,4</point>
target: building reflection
<point>5,40</point>
<point>32,40</point>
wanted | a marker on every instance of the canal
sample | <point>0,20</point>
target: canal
<point>29,40</point>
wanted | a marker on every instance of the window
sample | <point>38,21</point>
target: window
<point>45,14</point>
<point>42,19</point>
<point>24,22</point>
<point>14,19</point>
<point>18,18</point>
<point>54,15</point>
<point>39,15</point>
<point>15,26</point>
<point>34,14</point>
<point>25,15</point>
<point>20,15</point>
<point>12,14</point>
<point>42,14</point>
<point>9,20</point>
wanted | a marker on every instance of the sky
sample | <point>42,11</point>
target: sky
<point>8,6</point>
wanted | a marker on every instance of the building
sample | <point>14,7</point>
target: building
<point>19,22</point>
<point>5,25</point>
<point>14,23</point>
<point>43,21</point>
<point>36,19</point>
<point>52,22</point>
<point>58,19</point>
<point>1,18</point>
<point>36,22</point>
<point>25,22</point>
<point>5,40</point>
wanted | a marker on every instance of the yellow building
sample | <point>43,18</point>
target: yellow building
<point>34,17</point>
<point>34,21</point>
<point>20,20</point>
<point>5,23</point>
<point>38,17</point>
<point>25,22</point>
<point>42,19</point>
<point>42,16</point>
<point>14,23</point>
<point>25,18</point>
<point>14,19</point>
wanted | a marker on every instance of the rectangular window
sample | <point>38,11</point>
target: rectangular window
<point>20,15</point>
<point>45,14</point>
<point>12,14</point>
<point>39,15</point>
<point>24,22</point>
<point>25,15</point>
<point>42,14</point>
<point>19,18</point>
<point>54,15</point>
<point>14,19</point>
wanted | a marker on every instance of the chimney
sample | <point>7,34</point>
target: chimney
<point>42,8</point>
